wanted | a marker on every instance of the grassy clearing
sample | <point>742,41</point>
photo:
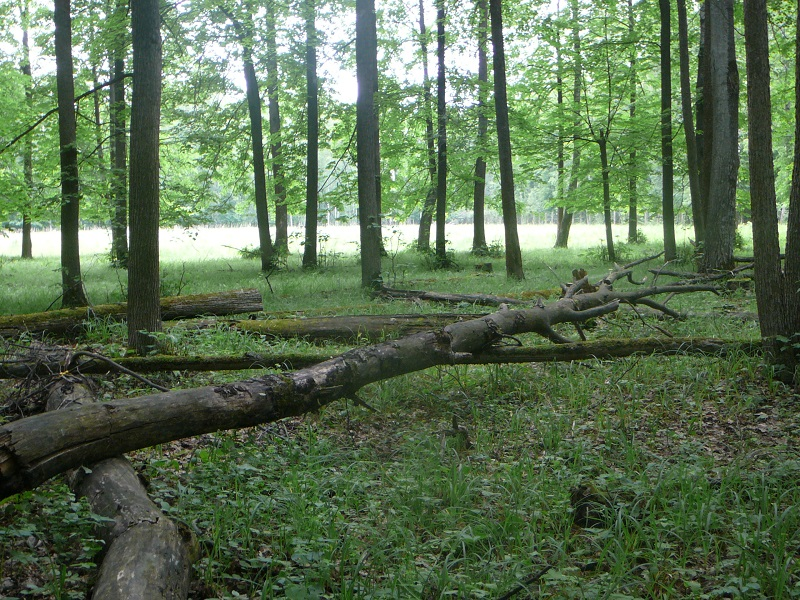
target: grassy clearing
<point>636,478</point>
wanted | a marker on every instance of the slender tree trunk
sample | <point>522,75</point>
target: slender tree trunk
<point>71,283</point>
<point>565,216</point>
<point>312,151</point>
<point>721,137</point>
<point>700,111</point>
<point>144,313</point>
<point>27,158</point>
<point>513,251</point>
<point>560,163</point>
<point>429,207</point>
<point>633,176</point>
<point>667,182</point>
<point>688,117</point>
<point>276,147</point>
<point>441,139</point>
<point>479,190</point>
<point>603,143</point>
<point>368,146</point>
<point>776,291</point>
<point>119,161</point>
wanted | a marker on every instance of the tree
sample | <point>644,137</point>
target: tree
<point>633,176</point>
<point>144,315</point>
<point>71,282</point>
<point>25,67</point>
<point>513,251</point>
<point>720,137</point>
<point>119,145</point>
<point>667,200</point>
<point>688,118</point>
<point>312,151</point>
<point>367,142</point>
<point>429,205</point>
<point>479,189</point>
<point>777,293</point>
<point>245,36</point>
<point>565,214</point>
<point>441,139</point>
<point>276,146</point>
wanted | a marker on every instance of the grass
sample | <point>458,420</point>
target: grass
<point>688,467</point>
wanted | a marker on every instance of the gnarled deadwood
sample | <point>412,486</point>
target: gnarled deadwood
<point>65,321</point>
<point>147,556</point>
<point>36,448</point>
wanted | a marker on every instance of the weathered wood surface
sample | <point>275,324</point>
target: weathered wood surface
<point>147,556</point>
<point>476,299</point>
<point>36,448</point>
<point>65,321</point>
<point>349,328</point>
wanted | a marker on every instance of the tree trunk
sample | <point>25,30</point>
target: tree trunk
<point>633,166</point>
<point>276,146</point>
<point>721,138</point>
<point>688,117</point>
<point>144,315</point>
<point>603,143</point>
<point>119,152</point>
<point>479,189</point>
<point>429,206</point>
<point>367,141</point>
<point>312,151</point>
<point>146,554</point>
<point>513,251</point>
<point>777,295</point>
<point>71,282</point>
<point>565,216</point>
<point>441,139</point>
<point>700,111</point>
<point>67,321</point>
<point>27,159</point>
<point>245,36</point>
<point>667,183</point>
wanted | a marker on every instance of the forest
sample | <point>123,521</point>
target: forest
<point>409,299</point>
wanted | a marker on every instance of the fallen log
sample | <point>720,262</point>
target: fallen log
<point>476,299</point>
<point>352,327</point>
<point>147,557</point>
<point>36,448</point>
<point>70,320</point>
<point>603,349</point>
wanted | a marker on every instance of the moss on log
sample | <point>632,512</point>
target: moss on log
<point>70,320</point>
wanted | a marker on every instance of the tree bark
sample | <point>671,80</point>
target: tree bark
<point>86,434</point>
<point>71,282</point>
<point>777,295</point>
<point>144,314</point>
<point>27,158</point>
<point>312,151</point>
<point>479,189</point>
<point>513,250</point>
<point>700,121</point>
<point>605,171</point>
<point>367,141</point>
<point>119,152</point>
<point>633,166</point>
<point>146,554</point>
<point>69,321</point>
<point>721,138</point>
<point>667,183</point>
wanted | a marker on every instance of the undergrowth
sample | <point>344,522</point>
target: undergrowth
<point>643,477</point>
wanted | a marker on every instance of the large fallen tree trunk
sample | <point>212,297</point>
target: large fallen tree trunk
<point>66,321</point>
<point>603,349</point>
<point>36,448</point>
<point>147,557</point>
<point>476,299</point>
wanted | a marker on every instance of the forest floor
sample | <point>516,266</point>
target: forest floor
<point>641,477</point>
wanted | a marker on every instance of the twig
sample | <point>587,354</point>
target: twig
<point>522,586</point>
<point>117,366</point>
